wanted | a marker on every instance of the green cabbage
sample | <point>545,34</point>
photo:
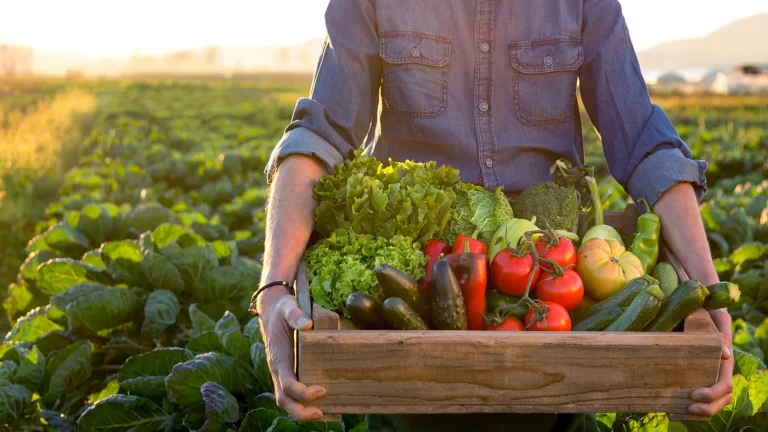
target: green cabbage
<point>343,263</point>
<point>477,212</point>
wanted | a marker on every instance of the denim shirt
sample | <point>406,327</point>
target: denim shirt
<point>488,87</point>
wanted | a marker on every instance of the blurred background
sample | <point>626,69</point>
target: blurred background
<point>683,45</point>
<point>117,116</point>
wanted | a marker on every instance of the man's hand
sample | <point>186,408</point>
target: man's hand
<point>280,318</point>
<point>710,400</point>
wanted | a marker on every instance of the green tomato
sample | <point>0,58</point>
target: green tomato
<point>509,234</point>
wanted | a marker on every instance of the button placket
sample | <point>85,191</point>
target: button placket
<point>486,140</point>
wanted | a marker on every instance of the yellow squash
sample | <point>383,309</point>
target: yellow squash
<point>605,267</point>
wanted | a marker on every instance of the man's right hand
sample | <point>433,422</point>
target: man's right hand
<point>280,316</point>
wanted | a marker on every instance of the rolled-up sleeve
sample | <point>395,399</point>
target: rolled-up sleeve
<point>337,115</point>
<point>643,150</point>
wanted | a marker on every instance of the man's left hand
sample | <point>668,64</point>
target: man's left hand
<point>708,401</point>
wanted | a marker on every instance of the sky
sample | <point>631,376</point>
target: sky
<point>101,28</point>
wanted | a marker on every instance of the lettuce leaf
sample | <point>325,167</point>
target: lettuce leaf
<point>408,198</point>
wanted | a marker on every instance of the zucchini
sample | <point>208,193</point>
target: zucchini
<point>640,312</point>
<point>401,316</point>
<point>600,320</point>
<point>667,277</point>
<point>686,299</point>
<point>722,295</point>
<point>622,298</point>
<point>365,311</point>
<point>448,311</point>
<point>395,283</point>
<point>512,306</point>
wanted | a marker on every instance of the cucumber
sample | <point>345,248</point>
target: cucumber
<point>667,277</point>
<point>600,320</point>
<point>401,316</point>
<point>686,299</point>
<point>640,312</point>
<point>622,298</point>
<point>722,295</point>
<point>395,283</point>
<point>365,311</point>
<point>448,311</point>
<point>495,300</point>
<point>347,324</point>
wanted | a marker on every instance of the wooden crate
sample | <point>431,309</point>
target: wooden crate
<point>421,372</point>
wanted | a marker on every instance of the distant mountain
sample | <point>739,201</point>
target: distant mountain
<point>741,42</point>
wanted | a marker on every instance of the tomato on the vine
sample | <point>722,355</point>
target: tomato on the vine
<point>510,272</point>
<point>566,289</point>
<point>509,324</point>
<point>563,253</point>
<point>556,318</point>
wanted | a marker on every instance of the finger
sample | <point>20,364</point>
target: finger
<point>710,394</point>
<point>710,409</point>
<point>300,392</point>
<point>296,318</point>
<point>298,411</point>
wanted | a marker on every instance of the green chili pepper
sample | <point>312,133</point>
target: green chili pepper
<point>645,245</point>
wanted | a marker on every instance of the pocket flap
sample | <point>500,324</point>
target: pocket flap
<point>546,56</point>
<point>413,47</point>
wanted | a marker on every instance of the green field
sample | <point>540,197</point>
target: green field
<point>147,196</point>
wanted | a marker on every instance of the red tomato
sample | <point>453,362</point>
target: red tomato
<point>567,289</point>
<point>510,273</point>
<point>509,324</point>
<point>564,254</point>
<point>475,246</point>
<point>556,319</point>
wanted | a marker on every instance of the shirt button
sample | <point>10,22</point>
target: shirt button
<point>483,106</point>
<point>484,47</point>
<point>415,52</point>
<point>488,162</point>
<point>548,60</point>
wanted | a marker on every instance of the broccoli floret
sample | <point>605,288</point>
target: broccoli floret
<point>556,205</point>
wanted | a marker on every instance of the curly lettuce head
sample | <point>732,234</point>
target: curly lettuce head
<point>408,198</point>
<point>343,263</point>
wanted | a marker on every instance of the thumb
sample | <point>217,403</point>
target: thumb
<point>298,319</point>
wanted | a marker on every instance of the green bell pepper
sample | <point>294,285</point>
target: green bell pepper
<point>645,245</point>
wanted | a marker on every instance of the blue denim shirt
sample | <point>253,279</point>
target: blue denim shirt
<point>489,87</point>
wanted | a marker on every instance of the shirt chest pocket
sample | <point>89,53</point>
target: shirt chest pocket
<point>415,80</point>
<point>545,74</point>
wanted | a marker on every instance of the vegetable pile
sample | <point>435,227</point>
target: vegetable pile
<point>528,279</point>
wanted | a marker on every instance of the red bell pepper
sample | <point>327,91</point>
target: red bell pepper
<point>433,250</point>
<point>475,246</point>
<point>471,269</point>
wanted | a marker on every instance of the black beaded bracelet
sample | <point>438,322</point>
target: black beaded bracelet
<point>263,288</point>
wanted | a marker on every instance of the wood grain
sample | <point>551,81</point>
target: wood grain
<point>443,371</point>
<point>323,319</point>
<point>700,322</point>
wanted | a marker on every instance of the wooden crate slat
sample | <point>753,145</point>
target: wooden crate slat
<point>568,372</point>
